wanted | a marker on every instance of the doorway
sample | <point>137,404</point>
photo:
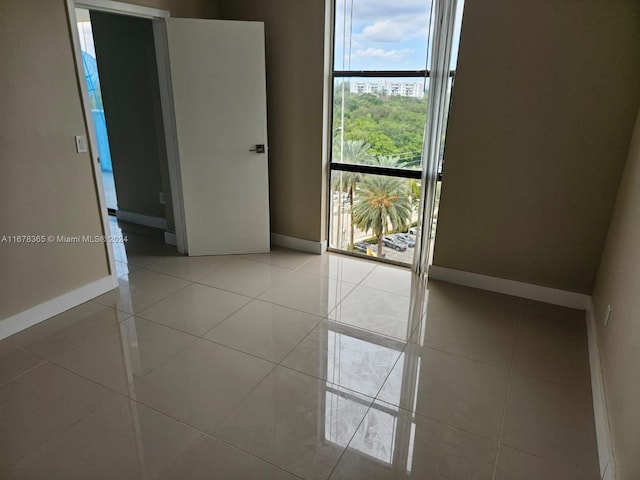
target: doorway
<point>210,109</point>
<point>121,75</point>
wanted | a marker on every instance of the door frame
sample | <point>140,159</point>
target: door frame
<point>158,18</point>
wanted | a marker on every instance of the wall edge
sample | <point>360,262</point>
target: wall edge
<point>48,309</point>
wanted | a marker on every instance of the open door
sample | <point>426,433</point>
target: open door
<point>219,95</point>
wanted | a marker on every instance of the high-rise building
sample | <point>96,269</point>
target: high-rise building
<point>386,87</point>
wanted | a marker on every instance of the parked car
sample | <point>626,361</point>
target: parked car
<point>368,249</point>
<point>392,242</point>
<point>415,230</point>
<point>403,237</point>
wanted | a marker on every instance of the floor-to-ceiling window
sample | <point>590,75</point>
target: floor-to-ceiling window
<point>380,109</point>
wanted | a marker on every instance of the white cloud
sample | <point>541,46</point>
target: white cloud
<point>381,53</point>
<point>396,29</point>
<point>385,31</point>
<point>372,10</point>
<point>381,32</point>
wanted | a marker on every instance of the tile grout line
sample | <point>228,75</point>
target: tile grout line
<point>196,337</point>
<point>119,323</point>
<point>425,416</point>
<point>506,399</point>
<point>276,364</point>
<point>134,314</point>
<point>210,272</point>
<point>369,408</point>
<point>474,360</point>
<point>100,331</point>
<point>115,306</point>
<point>190,333</point>
<point>344,451</point>
<point>297,269</point>
<point>130,315</point>
<point>221,440</point>
<point>553,462</point>
<point>279,364</point>
<point>138,402</point>
<point>95,333</point>
<point>572,388</point>
<point>160,412</point>
<point>22,374</point>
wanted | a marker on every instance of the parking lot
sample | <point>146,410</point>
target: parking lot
<point>405,256</point>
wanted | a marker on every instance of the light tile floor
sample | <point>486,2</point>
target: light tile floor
<point>290,365</point>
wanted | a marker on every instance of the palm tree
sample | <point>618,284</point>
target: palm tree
<point>414,192</point>
<point>354,151</point>
<point>382,201</point>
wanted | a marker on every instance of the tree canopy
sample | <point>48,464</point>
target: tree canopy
<point>392,125</point>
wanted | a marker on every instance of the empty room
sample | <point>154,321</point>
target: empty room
<point>319,239</point>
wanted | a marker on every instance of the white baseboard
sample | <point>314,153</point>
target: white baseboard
<point>511,287</point>
<point>299,244</point>
<point>170,238</point>
<point>140,219</point>
<point>603,434</point>
<point>565,299</point>
<point>57,305</point>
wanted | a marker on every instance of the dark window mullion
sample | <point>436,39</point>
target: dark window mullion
<point>373,170</point>
<point>385,171</point>
<point>381,73</point>
<point>385,73</point>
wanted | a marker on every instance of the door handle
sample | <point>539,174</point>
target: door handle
<point>259,149</point>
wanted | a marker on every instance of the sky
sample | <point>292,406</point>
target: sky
<point>384,34</point>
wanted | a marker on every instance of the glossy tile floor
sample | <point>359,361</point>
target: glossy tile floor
<point>289,365</point>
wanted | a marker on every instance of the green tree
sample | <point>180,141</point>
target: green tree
<point>381,202</point>
<point>414,192</point>
<point>353,151</point>
<point>392,125</point>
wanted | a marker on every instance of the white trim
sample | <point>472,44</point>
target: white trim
<point>443,17</point>
<point>111,6</point>
<point>90,131</point>
<point>170,238</point>
<point>565,299</point>
<point>158,18</point>
<point>511,287</point>
<point>601,417</point>
<point>327,112</point>
<point>161,41</point>
<point>140,219</point>
<point>57,305</point>
<point>299,244</point>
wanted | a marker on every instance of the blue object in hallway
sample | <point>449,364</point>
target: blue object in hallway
<point>100,126</point>
<point>97,110</point>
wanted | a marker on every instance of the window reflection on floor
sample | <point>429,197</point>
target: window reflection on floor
<point>356,364</point>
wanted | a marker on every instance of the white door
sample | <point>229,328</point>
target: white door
<point>218,83</point>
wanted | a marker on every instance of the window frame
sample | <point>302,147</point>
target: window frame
<point>408,173</point>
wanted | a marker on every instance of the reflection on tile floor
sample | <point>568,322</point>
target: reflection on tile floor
<point>289,365</point>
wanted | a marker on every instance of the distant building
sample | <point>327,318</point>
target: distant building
<point>386,87</point>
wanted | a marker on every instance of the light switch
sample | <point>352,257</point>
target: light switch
<point>81,144</point>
